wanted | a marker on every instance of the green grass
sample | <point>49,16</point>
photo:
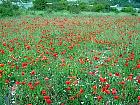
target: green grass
<point>89,48</point>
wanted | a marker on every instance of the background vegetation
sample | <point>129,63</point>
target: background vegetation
<point>8,9</point>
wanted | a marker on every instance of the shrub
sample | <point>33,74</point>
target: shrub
<point>55,6</point>
<point>100,7</point>
<point>83,6</point>
<point>7,9</point>
<point>128,10</point>
<point>134,14</point>
<point>39,4</point>
<point>114,10</point>
<point>74,9</point>
<point>58,6</point>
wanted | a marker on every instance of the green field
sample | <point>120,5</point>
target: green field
<point>65,59</point>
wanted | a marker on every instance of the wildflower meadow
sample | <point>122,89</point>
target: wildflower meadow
<point>77,60</point>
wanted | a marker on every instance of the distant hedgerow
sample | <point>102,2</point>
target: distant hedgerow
<point>7,9</point>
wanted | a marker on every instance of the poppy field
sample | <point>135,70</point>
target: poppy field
<point>78,60</point>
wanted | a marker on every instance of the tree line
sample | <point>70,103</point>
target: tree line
<point>8,9</point>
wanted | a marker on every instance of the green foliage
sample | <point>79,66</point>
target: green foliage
<point>138,1</point>
<point>134,14</point>
<point>39,4</point>
<point>7,9</point>
<point>83,6</point>
<point>114,10</point>
<point>100,7</point>
<point>25,1</point>
<point>55,6</point>
<point>61,5</point>
<point>128,10</point>
<point>74,9</point>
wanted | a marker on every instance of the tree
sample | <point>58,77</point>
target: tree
<point>8,9</point>
<point>39,4</point>
<point>137,1</point>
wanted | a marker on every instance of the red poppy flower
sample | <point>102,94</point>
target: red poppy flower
<point>11,49</point>
<point>138,66</point>
<point>123,82</point>
<point>55,55</point>
<point>46,78</point>
<point>63,52</point>
<point>107,86</point>
<point>91,73</point>
<point>28,47</point>
<point>96,58</point>
<point>110,74</point>
<point>17,82</point>
<point>126,64</point>
<point>103,89</point>
<point>0,75</point>
<point>7,81</point>
<point>70,47</point>
<point>24,65</point>
<point>47,52</point>
<point>108,60</point>
<point>32,88</point>
<point>120,55</point>
<point>71,57</point>
<point>29,84</point>
<point>36,83</point>
<point>99,98</point>
<point>4,43</point>
<point>68,88</point>
<point>116,97</point>
<point>114,91</point>
<point>23,83</point>
<point>46,97</point>
<point>51,43</point>
<point>1,65</point>
<point>117,74</point>
<point>139,81</point>
<point>48,101</point>
<point>43,92</point>
<point>81,91</point>
<point>103,79</point>
<point>32,72</point>
<point>2,51</point>
<point>94,87</point>
<point>68,82</point>
<point>107,91</point>
<point>138,97</point>
<point>44,58</point>
<point>130,77</point>
<point>23,73</point>
<point>1,71</point>
<point>72,98</point>
<point>52,49</point>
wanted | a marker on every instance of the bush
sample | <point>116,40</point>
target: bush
<point>39,4</point>
<point>128,10</point>
<point>58,6</point>
<point>100,7</point>
<point>7,9</point>
<point>73,9</point>
<point>55,6</point>
<point>83,6</point>
<point>114,10</point>
<point>134,14</point>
